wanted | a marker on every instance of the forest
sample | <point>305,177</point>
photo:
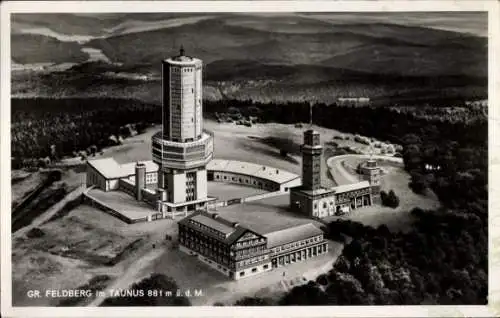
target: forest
<point>56,128</point>
<point>444,259</point>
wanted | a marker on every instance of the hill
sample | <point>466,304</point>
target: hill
<point>372,48</point>
<point>34,48</point>
<point>264,58</point>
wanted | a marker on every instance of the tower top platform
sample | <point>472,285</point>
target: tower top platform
<point>311,138</point>
<point>311,132</point>
<point>182,59</point>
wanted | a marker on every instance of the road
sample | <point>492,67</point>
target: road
<point>342,176</point>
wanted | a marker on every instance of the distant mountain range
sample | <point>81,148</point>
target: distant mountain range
<point>337,53</point>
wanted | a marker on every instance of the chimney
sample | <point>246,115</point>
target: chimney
<point>162,194</point>
<point>140,178</point>
<point>236,224</point>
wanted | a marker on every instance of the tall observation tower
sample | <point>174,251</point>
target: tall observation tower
<point>311,160</point>
<point>311,157</point>
<point>182,149</point>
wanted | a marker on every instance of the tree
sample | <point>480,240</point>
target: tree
<point>254,301</point>
<point>419,182</point>
<point>342,264</point>
<point>390,200</point>
<point>322,280</point>
<point>308,294</point>
<point>53,152</point>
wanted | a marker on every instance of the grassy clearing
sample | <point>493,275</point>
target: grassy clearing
<point>25,185</point>
<point>69,237</point>
<point>35,269</point>
<point>398,219</point>
<point>96,283</point>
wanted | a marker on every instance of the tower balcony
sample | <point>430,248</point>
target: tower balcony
<point>312,150</point>
<point>182,155</point>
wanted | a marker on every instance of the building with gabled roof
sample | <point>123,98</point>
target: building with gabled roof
<point>238,251</point>
<point>106,173</point>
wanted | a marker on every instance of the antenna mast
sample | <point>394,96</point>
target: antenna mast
<point>310,114</point>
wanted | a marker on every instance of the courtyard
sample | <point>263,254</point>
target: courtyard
<point>227,191</point>
<point>266,215</point>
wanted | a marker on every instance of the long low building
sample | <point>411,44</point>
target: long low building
<point>106,173</point>
<point>141,181</point>
<point>238,251</point>
<point>252,174</point>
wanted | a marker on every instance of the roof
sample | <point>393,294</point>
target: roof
<point>183,61</point>
<point>292,234</point>
<point>111,169</point>
<point>213,223</point>
<point>252,169</point>
<point>311,132</point>
<point>129,168</point>
<point>352,186</point>
<point>334,190</point>
<point>232,231</point>
<point>314,192</point>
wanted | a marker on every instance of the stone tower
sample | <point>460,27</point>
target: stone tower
<point>311,160</point>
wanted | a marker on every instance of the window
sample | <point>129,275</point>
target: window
<point>242,273</point>
<point>254,270</point>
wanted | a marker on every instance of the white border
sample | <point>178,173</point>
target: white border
<point>493,309</point>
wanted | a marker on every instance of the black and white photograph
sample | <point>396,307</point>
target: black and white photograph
<point>240,159</point>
